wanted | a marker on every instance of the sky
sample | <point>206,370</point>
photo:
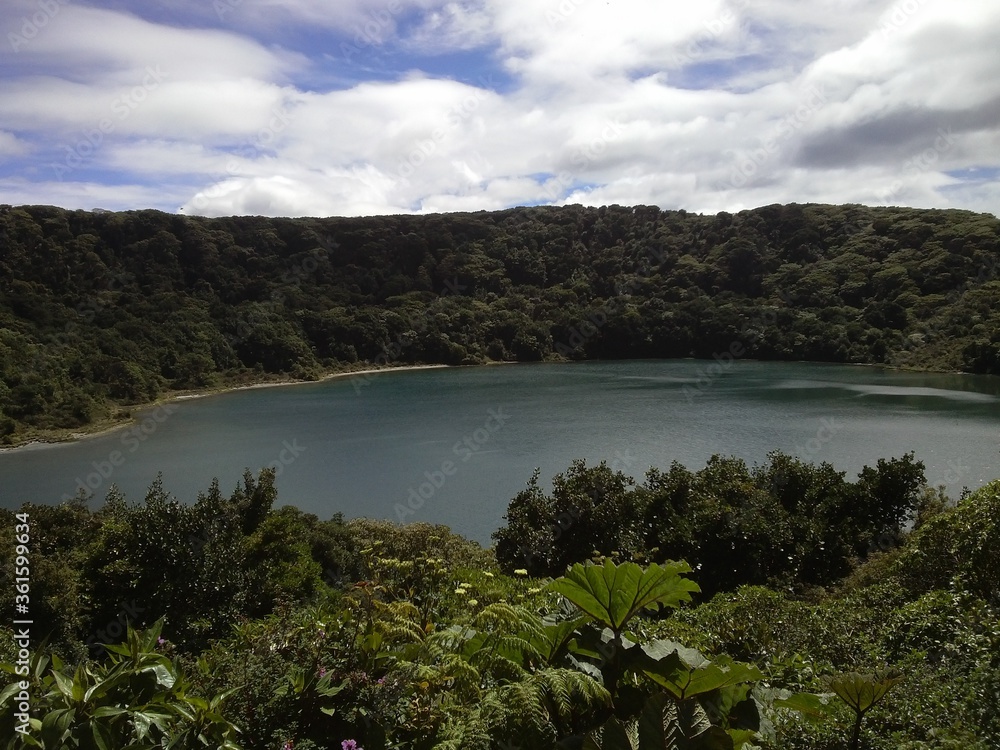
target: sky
<point>352,107</point>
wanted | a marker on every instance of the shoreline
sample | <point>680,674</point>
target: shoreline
<point>184,396</point>
<point>69,437</point>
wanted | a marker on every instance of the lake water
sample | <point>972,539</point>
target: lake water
<point>454,446</point>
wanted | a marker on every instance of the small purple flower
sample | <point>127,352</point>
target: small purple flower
<point>381,680</point>
<point>287,745</point>
<point>160,641</point>
<point>350,745</point>
<point>322,672</point>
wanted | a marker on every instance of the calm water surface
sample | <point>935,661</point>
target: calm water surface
<point>460,443</point>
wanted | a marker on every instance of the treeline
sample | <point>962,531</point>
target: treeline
<point>219,559</point>
<point>100,311</point>
<point>788,524</point>
<point>273,628</point>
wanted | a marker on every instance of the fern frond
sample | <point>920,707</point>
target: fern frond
<point>548,702</point>
<point>465,732</point>
<point>507,618</point>
<point>504,656</point>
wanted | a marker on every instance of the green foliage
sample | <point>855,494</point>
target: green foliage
<point>614,594</point>
<point>666,725</point>
<point>410,637</point>
<point>204,566</point>
<point>785,524</point>
<point>137,700</point>
<point>861,693</point>
<point>959,547</point>
<point>644,716</point>
<point>59,585</point>
<point>410,541</point>
<point>194,564</point>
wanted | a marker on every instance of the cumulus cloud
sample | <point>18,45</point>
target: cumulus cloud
<point>302,108</point>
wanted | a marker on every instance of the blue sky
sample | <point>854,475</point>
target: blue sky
<point>313,107</point>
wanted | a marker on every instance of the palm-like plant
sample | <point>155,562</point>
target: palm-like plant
<point>671,692</point>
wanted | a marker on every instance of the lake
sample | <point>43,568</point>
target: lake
<point>454,445</point>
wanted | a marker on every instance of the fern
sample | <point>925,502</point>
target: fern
<point>398,622</point>
<point>465,731</point>
<point>549,705</point>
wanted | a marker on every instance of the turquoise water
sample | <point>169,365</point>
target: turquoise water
<point>454,446</point>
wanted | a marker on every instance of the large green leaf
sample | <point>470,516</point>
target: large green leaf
<point>64,685</point>
<point>814,707</point>
<point>613,594</point>
<point>862,691</point>
<point>9,691</point>
<point>685,682</point>
<point>102,736</point>
<point>54,726</point>
<point>554,638</point>
<point>661,648</point>
<point>165,678</point>
<point>731,707</point>
<point>105,711</point>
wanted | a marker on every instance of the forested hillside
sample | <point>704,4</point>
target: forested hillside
<point>100,311</point>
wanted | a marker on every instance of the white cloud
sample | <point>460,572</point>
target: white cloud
<point>86,195</point>
<point>594,102</point>
<point>454,26</point>
<point>11,145</point>
<point>98,45</point>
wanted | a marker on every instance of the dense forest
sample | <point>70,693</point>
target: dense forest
<point>100,312</point>
<point>229,622</point>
